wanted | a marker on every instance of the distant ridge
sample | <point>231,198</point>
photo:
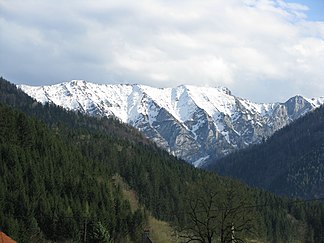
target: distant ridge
<point>290,163</point>
<point>197,124</point>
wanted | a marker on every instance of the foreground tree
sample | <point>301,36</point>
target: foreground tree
<point>216,215</point>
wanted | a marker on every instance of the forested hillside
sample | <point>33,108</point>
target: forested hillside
<point>290,163</point>
<point>49,189</point>
<point>57,180</point>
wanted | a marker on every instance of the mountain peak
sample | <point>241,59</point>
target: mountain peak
<point>77,82</point>
<point>189,121</point>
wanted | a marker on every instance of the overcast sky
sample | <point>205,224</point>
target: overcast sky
<point>263,50</point>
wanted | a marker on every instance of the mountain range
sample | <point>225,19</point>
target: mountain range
<point>58,178</point>
<point>197,124</point>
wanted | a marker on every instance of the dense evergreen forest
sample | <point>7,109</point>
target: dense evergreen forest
<point>57,179</point>
<point>290,163</point>
<point>49,189</point>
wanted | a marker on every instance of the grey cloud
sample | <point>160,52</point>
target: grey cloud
<point>262,50</point>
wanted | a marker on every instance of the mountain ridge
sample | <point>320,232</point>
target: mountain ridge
<point>194,123</point>
<point>289,163</point>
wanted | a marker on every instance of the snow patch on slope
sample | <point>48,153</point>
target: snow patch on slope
<point>189,111</point>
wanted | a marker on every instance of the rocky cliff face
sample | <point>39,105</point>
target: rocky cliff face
<point>193,123</point>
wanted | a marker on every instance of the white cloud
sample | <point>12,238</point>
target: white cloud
<point>264,50</point>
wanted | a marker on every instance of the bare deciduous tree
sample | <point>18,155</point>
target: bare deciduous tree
<point>212,215</point>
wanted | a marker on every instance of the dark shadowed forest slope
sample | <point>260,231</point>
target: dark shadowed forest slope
<point>49,189</point>
<point>56,180</point>
<point>290,163</point>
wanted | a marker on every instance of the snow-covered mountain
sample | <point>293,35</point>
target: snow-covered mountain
<point>193,123</point>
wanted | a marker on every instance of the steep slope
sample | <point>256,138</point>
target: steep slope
<point>50,190</point>
<point>291,162</point>
<point>160,181</point>
<point>55,116</point>
<point>196,124</point>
